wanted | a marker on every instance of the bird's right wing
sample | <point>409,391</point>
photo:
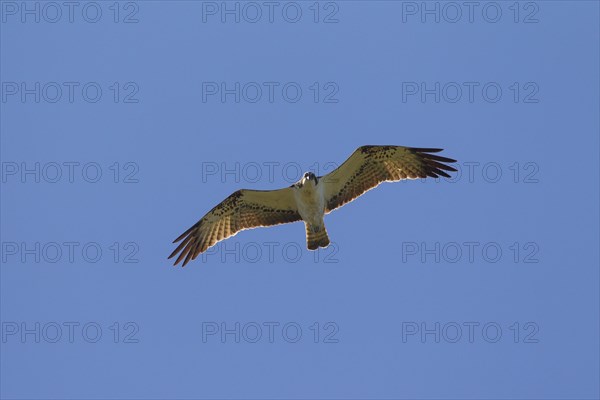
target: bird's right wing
<point>244,209</point>
<point>369,166</point>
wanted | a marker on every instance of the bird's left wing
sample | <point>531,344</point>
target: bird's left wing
<point>369,166</point>
<point>244,209</point>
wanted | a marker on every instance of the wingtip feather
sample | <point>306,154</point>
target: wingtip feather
<point>425,149</point>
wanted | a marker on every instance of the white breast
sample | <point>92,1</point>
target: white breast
<point>311,203</point>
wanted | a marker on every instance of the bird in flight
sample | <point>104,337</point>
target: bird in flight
<point>310,198</point>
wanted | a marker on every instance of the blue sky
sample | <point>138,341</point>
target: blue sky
<point>122,125</point>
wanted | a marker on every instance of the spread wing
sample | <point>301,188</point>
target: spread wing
<point>244,209</point>
<point>368,166</point>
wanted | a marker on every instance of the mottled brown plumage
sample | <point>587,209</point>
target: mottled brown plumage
<point>243,209</point>
<point>369,166</point>
<point>311,198</point>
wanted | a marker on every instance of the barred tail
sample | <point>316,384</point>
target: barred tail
<point>316,236</point>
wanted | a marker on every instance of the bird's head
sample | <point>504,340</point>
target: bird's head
<point>309,178</point>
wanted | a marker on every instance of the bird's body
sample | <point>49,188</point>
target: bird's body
<point>310,201</point>
<point>310,198</point>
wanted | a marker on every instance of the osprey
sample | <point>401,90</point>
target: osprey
<point>310,198</point>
